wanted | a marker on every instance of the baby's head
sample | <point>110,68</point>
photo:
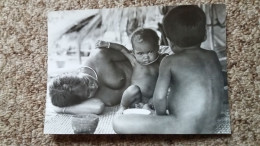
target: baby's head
<point>185,26</point>
<point>70,90</point>
<point>145,44</point>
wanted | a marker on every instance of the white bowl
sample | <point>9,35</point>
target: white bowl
<point>136,111</point>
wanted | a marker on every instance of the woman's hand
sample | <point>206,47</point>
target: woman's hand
<point>102,44</point>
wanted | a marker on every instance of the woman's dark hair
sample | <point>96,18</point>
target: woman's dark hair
<point>61,91</point>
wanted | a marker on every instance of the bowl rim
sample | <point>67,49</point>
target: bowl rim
<point>136,111</point>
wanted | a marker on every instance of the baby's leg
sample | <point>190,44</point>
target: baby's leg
<point>131,96</point>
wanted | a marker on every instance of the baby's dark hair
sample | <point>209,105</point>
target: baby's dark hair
<point>61,92</point>
<point>185,25</point>
<point>144,35</point>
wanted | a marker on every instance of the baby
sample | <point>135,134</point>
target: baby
<point>145,61</point>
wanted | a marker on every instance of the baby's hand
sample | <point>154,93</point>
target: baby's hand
<point>148,107</point>
<point>139,105</point>
<point>102,44</point>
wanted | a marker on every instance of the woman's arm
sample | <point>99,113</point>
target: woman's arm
<point>91,106</point>
<point>118,47</point>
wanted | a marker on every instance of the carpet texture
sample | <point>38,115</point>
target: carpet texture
<point>23,74</point>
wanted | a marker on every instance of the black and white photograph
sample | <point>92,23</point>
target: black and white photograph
<point>138,70</point>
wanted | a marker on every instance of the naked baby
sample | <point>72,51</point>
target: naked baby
<point>145,61</point>
<point>194,76</point>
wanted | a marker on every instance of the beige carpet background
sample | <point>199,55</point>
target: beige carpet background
<point>23,74</point>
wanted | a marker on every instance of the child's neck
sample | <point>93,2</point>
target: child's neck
<point>180,49</point>
<point>151,61</point>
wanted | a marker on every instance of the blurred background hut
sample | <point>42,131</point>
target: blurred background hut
<point>72,35</point>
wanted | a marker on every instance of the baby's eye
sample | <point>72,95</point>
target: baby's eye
<point>140,53</point>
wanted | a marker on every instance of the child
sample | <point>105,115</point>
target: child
<point>145,61</point>
<point>194,76</point>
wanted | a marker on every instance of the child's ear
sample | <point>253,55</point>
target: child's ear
<point>170,43</point>
<point>205,35</point>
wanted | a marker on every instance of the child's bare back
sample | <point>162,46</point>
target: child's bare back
<point>202,78</point>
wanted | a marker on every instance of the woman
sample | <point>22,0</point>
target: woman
<point>100,82</point>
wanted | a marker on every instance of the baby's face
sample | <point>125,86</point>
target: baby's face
<point>145,52</point>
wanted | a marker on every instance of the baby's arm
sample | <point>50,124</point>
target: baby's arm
<point>118,47</point>
<point>161,88</point>
<point>91,106</point>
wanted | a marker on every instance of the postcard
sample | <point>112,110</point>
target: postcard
<point>138,70</point>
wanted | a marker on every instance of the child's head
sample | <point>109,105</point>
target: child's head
<point>145,44</point>
<point>185,26</point>
<point>71,90</point>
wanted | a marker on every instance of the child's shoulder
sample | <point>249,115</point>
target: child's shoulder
<point>174,59</point>
<point>161,56</point>
<point>209,52</point>
<point>168,58</point>
<point>168,61</point>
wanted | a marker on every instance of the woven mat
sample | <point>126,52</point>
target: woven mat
<point>61,123</point>
<point>23,74</point>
